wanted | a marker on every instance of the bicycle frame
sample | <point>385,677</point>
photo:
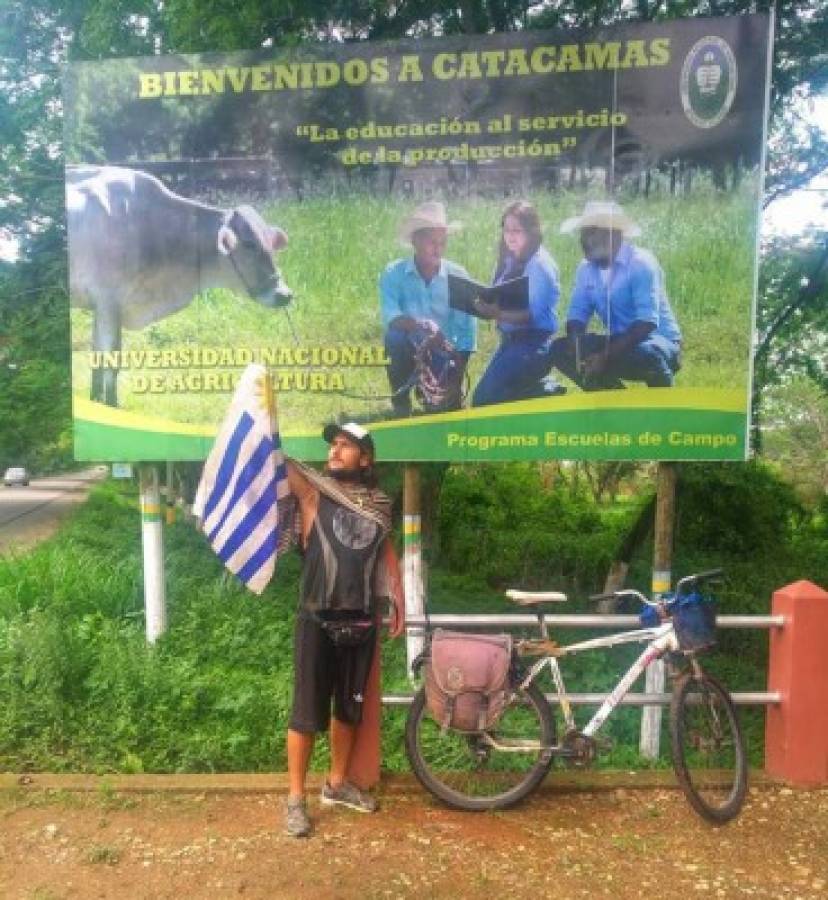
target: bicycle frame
<point>661,639</point>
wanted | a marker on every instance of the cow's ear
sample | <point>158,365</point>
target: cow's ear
<point>278,239</point>
<point>227,240</point>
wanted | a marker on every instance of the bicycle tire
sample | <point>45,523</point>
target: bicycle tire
<point>472,782</point>
<point>708,748</point>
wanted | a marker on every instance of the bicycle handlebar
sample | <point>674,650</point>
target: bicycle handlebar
<point>611,595</point>
<point>692,580</point>
<point>710,573</point>
<point>625,592</point>
<point>687,580</point>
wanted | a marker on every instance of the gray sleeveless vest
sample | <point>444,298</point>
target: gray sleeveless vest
<point>340,558</point>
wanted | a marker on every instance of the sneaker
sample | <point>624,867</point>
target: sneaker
<point>297,823</point>
<point>348,795</point>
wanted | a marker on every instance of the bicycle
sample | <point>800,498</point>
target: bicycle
<point>496,768</point>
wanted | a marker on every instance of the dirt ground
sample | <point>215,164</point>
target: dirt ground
<point>586,841</point>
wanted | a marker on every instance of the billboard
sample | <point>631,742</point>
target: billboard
<point>514,246</point>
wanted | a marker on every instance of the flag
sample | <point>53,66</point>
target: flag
<point>243,480</point>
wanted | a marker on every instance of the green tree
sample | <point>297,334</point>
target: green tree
<point>793,326</point>
<point>795,435</point>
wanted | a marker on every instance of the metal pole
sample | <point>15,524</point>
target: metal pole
<point>412,561</point>
<point>662,579</point>
<point>152,540</point>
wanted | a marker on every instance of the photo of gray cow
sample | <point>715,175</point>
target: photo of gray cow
<point>139,252</point>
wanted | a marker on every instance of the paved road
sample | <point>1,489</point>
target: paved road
<point>30,514</point>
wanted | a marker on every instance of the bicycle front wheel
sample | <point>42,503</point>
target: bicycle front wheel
<point>708,748</point>
<point>488,770</point>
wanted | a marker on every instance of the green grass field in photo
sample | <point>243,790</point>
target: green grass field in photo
<point>340,243</point>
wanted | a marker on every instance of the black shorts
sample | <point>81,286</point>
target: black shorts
<point>323,672</point>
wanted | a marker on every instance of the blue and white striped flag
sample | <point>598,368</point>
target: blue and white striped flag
<point>243,479</point>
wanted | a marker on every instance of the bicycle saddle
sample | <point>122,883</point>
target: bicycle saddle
<point>529,598</point>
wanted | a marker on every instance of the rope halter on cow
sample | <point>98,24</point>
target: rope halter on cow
<point>272,240</point>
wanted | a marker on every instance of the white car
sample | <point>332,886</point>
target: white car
<point>16,475</point>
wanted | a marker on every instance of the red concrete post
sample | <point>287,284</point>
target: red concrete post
<point>796,730</point>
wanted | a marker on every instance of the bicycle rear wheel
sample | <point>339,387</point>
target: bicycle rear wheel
<point>708,748</point>
<point>466,771</point>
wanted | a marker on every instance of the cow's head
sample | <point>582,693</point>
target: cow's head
<point>249,244</point>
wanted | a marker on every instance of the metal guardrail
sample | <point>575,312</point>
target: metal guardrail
<point>523,620</point>
<point>740,698</point>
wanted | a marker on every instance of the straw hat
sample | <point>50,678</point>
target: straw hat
<point>602,214</point>
<point>426,215</point>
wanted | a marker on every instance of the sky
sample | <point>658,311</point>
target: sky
<point>8,246</point>
<point>794,213</point>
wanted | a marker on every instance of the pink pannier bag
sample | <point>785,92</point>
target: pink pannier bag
<point>467,679</point>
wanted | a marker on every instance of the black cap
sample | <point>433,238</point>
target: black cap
<point>356,433</point>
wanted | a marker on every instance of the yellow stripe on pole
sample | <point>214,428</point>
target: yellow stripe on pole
<point>151,512</point>
<point>661,582</point>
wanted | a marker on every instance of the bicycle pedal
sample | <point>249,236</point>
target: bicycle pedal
<point>581,750</point>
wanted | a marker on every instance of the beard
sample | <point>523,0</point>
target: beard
<point>347,475</point>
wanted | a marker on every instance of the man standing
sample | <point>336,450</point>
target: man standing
<point>623,286</point>
<point>343,529</point>
<point>421,329</point>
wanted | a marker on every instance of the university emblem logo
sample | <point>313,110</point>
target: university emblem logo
<point>708,82</point>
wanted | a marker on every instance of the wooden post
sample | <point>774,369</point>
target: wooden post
<point>413,561</point>
<point>169,495</point>
<point>662,580</point>
<point>152,541</point>
<point>664,527</point>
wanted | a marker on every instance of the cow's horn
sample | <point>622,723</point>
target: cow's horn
<point>278,239</point>
<point>227,240</point>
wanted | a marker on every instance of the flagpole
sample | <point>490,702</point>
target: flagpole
<point>152,539</point>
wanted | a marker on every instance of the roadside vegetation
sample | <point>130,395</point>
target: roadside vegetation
<point>80,690</point>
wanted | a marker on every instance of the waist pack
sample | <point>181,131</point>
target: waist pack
<point>467,679</point>
<point>349,632</point>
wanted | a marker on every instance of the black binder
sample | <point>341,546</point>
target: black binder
<point>512,295</point>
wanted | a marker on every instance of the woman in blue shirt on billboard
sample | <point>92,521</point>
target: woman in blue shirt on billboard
<point>516,370</point>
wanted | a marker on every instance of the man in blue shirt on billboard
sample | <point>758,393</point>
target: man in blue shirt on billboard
<point>427,342</point>
<point>623,286</point>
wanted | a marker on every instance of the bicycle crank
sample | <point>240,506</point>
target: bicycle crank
<point>579,750</point>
